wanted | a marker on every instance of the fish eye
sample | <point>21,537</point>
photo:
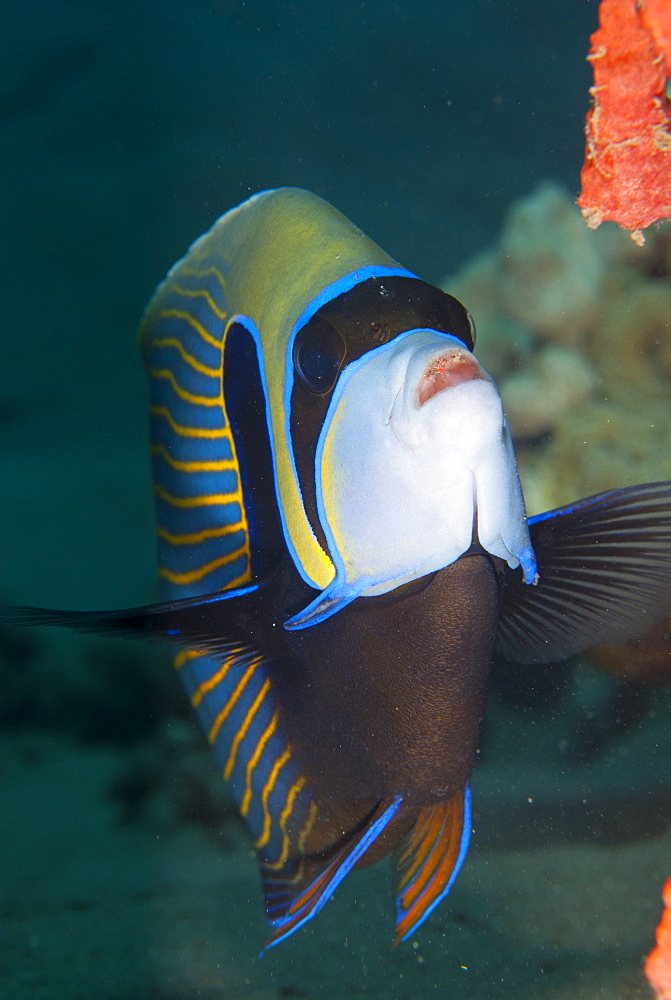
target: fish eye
<point>318,354</point>
<point>459,321</point>
<point>471,323</point>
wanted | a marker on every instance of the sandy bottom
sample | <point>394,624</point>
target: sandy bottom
<point>558,898</point>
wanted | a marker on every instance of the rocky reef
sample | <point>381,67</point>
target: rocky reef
<point>574,324</point>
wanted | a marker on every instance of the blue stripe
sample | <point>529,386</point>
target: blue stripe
<point>188,449</point>
<point>558,512</point>
<point>177,328</point>
<point>197,484</point>
<point>217,699</point>
<point>190,520</point>
<point>195,382</point>
<point>188,556</point>
<point>182,412</point>
<point>238,779</point>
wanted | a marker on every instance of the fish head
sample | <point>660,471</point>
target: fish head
<point>414,464</point>
<point>416,461</point>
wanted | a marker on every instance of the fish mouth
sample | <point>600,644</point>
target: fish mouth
<point>450,368</point>
<point>426,368</point>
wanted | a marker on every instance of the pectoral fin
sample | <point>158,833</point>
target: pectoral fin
<point>215,623</point>
<point>604,574</point>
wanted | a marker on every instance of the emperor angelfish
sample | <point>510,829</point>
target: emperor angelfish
<point>343,543</point>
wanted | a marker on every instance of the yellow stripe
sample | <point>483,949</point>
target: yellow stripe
<point>226,710</point>
<point>265,795</point>
<point>203,500</point>
<point>199,536</point>
<point>307,829</point>
<point>286,813</point>
<point>197,432</point>
<point>189,359</point>
<point>193,323</point>
<point>244,577</point>
<point>193,293</point>
<point>242,731</point>
<point>212,270</point>
<point>253,761</point>
<point>218,466</point>
<point>184,431</point>
<point>212,681</point>
<point>198,574</point>
<point>188,397</point>
<point>185,656</point>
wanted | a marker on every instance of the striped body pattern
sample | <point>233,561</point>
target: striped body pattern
<point>203,535</point>
<point>204,545</point>
<point>238,712</point>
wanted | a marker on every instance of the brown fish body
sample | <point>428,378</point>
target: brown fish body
<point>397,703</point>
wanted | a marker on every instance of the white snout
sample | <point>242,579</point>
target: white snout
<point>415,456</point>
<point>429,372</point>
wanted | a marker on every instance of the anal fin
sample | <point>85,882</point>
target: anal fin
<point>311,898</point>
<point>428,859</point>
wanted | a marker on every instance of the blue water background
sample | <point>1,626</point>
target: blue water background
<point>125,130</point>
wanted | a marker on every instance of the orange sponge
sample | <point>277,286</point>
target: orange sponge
<point>626,176</point>
<point>658,963</point>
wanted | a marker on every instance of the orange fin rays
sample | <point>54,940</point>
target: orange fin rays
<point>317,893</point>
<point>428,859</point>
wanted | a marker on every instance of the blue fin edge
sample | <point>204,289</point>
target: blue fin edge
<point>463,850</point>
<point>343,869</point>
<point>325,605</point>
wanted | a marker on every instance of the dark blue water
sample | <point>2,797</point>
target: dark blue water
<point>125,130</point>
